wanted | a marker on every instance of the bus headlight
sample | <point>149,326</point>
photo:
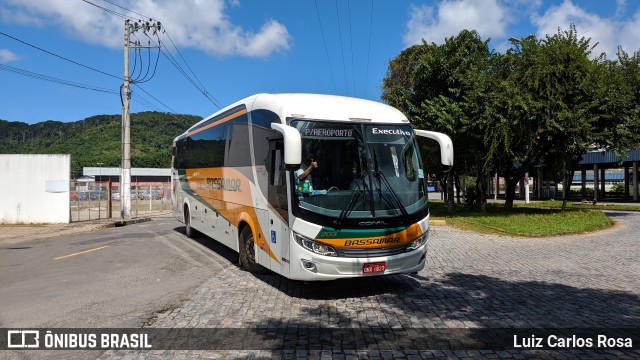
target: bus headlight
<point>419,241</point>
<point>314,247</point>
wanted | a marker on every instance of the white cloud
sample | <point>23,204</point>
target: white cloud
<point>608,33</point>
<point>449,17</point>
<point>629,37</point>
<point>9,15</point>
<point>600,30</point>
<point>7,56</point>
<point>200,24</point>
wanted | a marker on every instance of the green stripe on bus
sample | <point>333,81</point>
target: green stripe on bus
<point>330,233</point>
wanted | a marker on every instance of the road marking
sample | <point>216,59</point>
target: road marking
<point>81,252</point>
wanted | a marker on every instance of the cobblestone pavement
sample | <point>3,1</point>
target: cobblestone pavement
<point>472,282</point>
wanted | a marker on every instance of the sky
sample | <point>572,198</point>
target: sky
<point>63,60</point>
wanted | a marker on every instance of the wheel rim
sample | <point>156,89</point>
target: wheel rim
<point>187,220</point>
<point>249,249</point>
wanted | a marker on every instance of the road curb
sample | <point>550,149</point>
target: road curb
<point>120,223</point>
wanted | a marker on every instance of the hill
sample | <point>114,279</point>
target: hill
<point>97,139</point>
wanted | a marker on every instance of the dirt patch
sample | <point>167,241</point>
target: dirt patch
<point>10,234</point>
<point>14,233</point>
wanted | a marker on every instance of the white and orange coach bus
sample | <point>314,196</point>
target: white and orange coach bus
<point>363,213</point>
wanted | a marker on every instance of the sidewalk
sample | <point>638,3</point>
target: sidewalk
<point>13,233</point>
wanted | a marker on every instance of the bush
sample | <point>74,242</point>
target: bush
<point>617,188</point>
<point>472,198</point>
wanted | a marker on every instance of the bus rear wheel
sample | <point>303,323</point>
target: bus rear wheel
<point>248,253</point>
<point>190,231</point>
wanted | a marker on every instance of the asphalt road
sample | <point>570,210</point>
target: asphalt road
<point>116,277</point>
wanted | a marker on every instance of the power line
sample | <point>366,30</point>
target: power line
<point>344,67</point>
<point>61,57</point>
<point>353,67</point>
<point>124,8</point>
<point>137,54</point>
<point>139,99</point>
<point>326,50</point>
<point>112,12</point>
<point>163,104</point>
<point>145,102</point>
<point>54,79</point>
<point>196,83</point>
<point>62,81</point>
<point>368,50</point>
<point>145,79</point>
<point>170,57</point>
<point>203,89</point>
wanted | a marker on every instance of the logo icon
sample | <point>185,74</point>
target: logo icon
<point>23,339</point>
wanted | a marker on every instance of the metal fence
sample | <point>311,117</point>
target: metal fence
<point>93,200</point>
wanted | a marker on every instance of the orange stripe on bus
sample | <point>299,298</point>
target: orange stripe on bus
<point>224,119</point>
<point>403,237</point>
<point>234,206</point>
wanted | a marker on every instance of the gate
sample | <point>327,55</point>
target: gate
<point>94,200</point>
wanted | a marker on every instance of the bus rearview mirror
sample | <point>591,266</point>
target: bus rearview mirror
<point>446,145</point>
<point>292,145</point>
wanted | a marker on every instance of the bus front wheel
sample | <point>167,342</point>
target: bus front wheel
<point>248,253</point>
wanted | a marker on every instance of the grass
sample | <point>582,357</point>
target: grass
<point>557,204</point>
<point>524,220</point>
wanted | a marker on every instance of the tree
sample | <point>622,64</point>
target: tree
<point>629,74</point>
<point>512,138</point>
<point>97,139</point>
<point>585,102</point>
<point>544,102</point>
<point>442,88</point>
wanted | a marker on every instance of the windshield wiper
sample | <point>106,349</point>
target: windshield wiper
<point>395,200</point>
<point>352,201</point>
<point>393,195</point>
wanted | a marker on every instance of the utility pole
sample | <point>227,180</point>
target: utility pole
<point>125,170</point>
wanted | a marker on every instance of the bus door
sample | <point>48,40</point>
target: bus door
<point>278,235</point>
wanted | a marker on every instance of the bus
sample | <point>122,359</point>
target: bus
<point>237,177</point>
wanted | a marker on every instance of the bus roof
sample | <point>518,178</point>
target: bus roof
<point>327,107</point>
<point>319,106</point>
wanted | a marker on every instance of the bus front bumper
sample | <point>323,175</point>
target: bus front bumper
<point>312,267</point>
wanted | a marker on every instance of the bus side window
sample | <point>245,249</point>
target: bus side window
<point>410,164</point>
<point>277,168</point>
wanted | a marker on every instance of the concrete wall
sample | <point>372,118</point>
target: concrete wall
<point>34,188</point>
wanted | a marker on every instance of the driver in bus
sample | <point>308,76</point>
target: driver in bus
<point>304,181</point>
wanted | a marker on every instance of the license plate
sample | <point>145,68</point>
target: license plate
<point>374,268</point>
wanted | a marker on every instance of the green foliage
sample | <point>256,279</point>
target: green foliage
<point>545,101</point>
<point>97,139</point>
<point>617,188</point>
<point>443,88</point>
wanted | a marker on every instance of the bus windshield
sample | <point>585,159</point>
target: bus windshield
<point>364,170</point>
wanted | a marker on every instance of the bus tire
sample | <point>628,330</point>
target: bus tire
<point>188,229</point>
<point>248,253</point>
